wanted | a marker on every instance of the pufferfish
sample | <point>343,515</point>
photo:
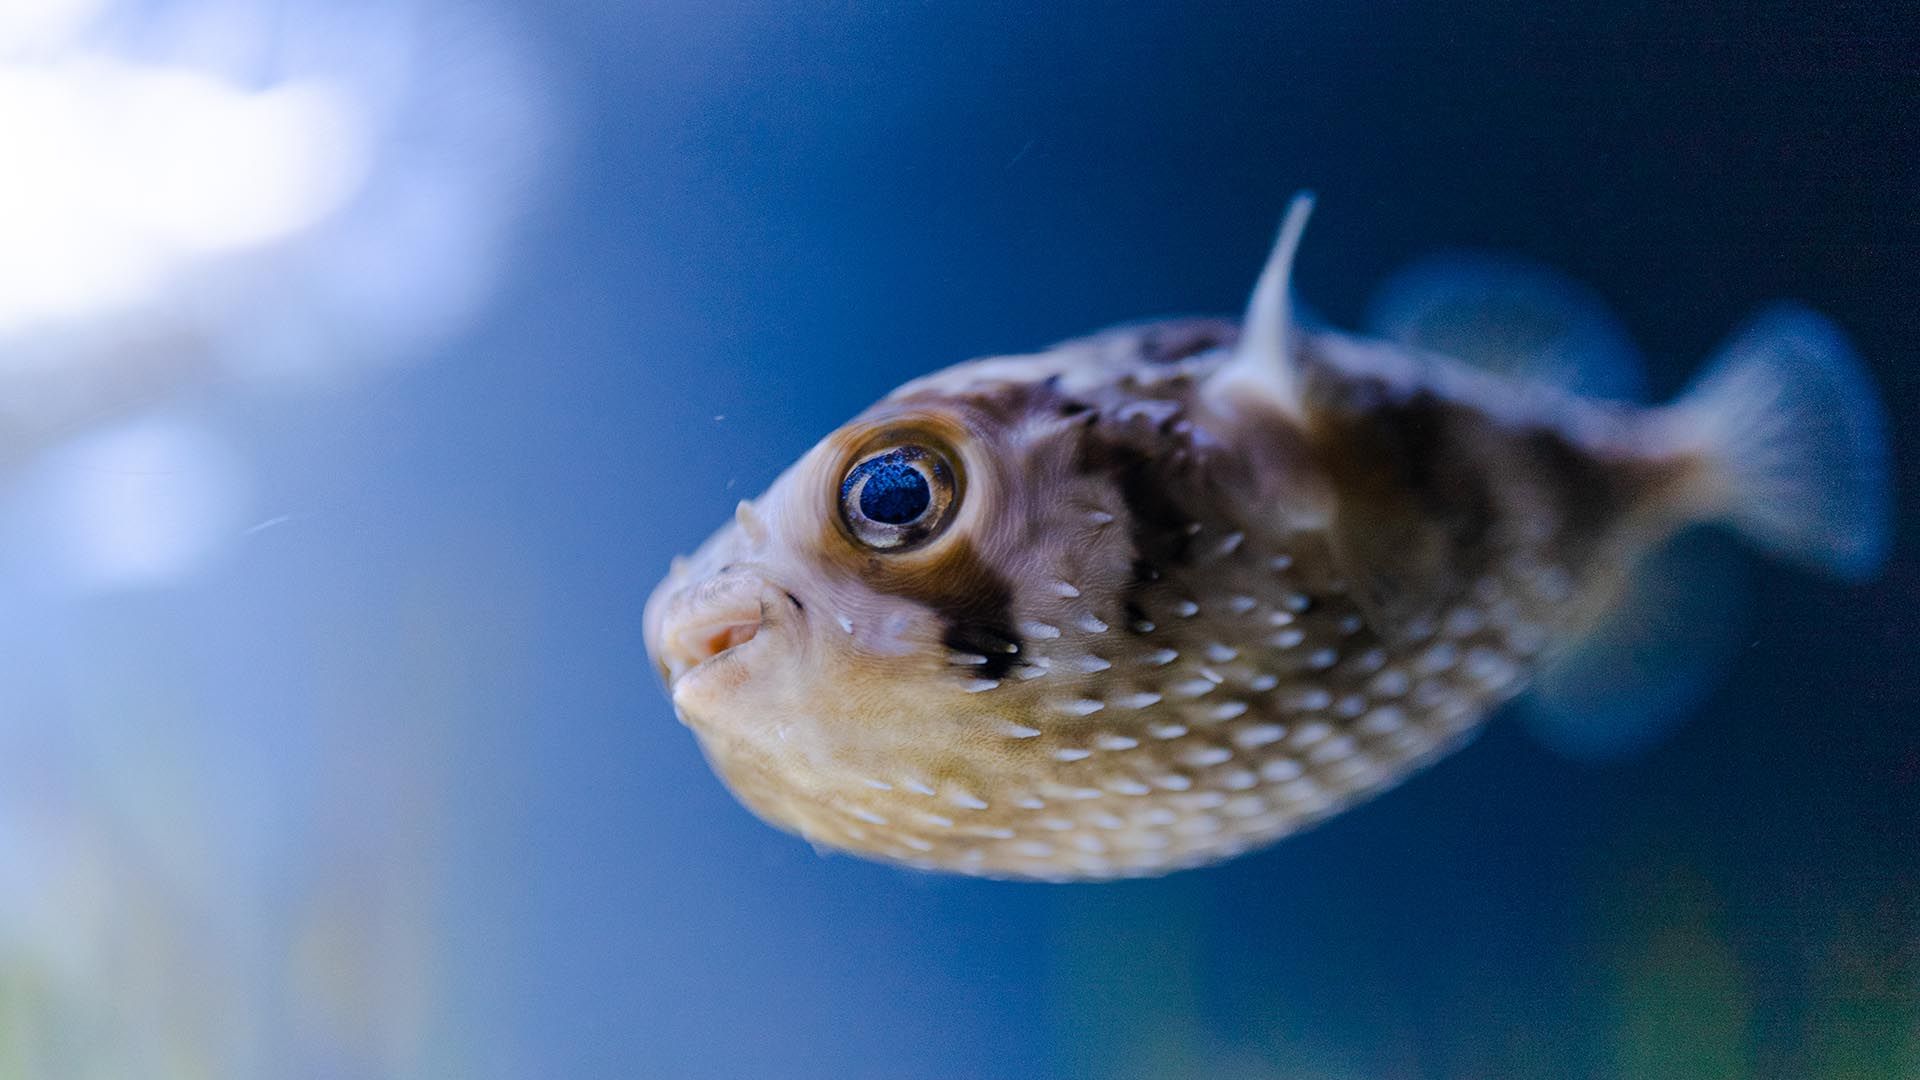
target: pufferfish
<point>1153,598</point>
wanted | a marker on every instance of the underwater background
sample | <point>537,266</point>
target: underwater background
<point>343,433</point>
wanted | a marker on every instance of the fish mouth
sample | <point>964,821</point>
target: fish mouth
<point>691,645</point>
<point>711,624</point>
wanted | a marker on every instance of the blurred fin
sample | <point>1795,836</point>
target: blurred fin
<point>1265,362</point>
<point>1631,679</point>
<point>1513,318</point>
<point>1796,443</point>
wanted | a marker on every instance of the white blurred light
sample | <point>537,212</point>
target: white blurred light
<point>119,175</point>
<point>137,504</point>
<point>264,187</point>
<point>26,25</point>
<point>237,193</point>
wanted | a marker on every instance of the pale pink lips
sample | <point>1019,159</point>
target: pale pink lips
<point>709,620</point>
<point>691,644</point>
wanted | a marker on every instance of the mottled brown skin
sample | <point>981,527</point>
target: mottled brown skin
<point>1157,633</point>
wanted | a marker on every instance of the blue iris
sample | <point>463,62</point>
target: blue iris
<point>895,493</point>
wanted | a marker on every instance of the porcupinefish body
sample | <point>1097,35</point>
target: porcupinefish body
<point>1152,598</point>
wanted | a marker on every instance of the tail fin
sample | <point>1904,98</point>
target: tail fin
<point>1797,443</point>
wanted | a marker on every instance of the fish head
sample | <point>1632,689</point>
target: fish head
<point>871,630</point>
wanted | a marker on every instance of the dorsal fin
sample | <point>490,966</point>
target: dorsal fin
<point>1265,363</point>
<point>1510,317</point>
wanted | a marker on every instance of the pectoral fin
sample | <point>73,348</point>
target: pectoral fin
<point>1655,654</point>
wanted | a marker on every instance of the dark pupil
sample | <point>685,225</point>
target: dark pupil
<point>895,493</point>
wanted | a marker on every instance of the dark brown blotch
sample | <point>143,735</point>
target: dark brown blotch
<point>972,600</point>
<point>1585,495</point>
<point>1413,460</point>
<point>1416,516</point>
<point>1147,479</point>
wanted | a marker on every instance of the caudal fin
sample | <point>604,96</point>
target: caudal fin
<point>1796,443</point>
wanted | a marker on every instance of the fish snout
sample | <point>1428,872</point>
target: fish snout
<point>690,624</point>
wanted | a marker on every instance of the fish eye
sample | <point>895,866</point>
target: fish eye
<point>898,497</point>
